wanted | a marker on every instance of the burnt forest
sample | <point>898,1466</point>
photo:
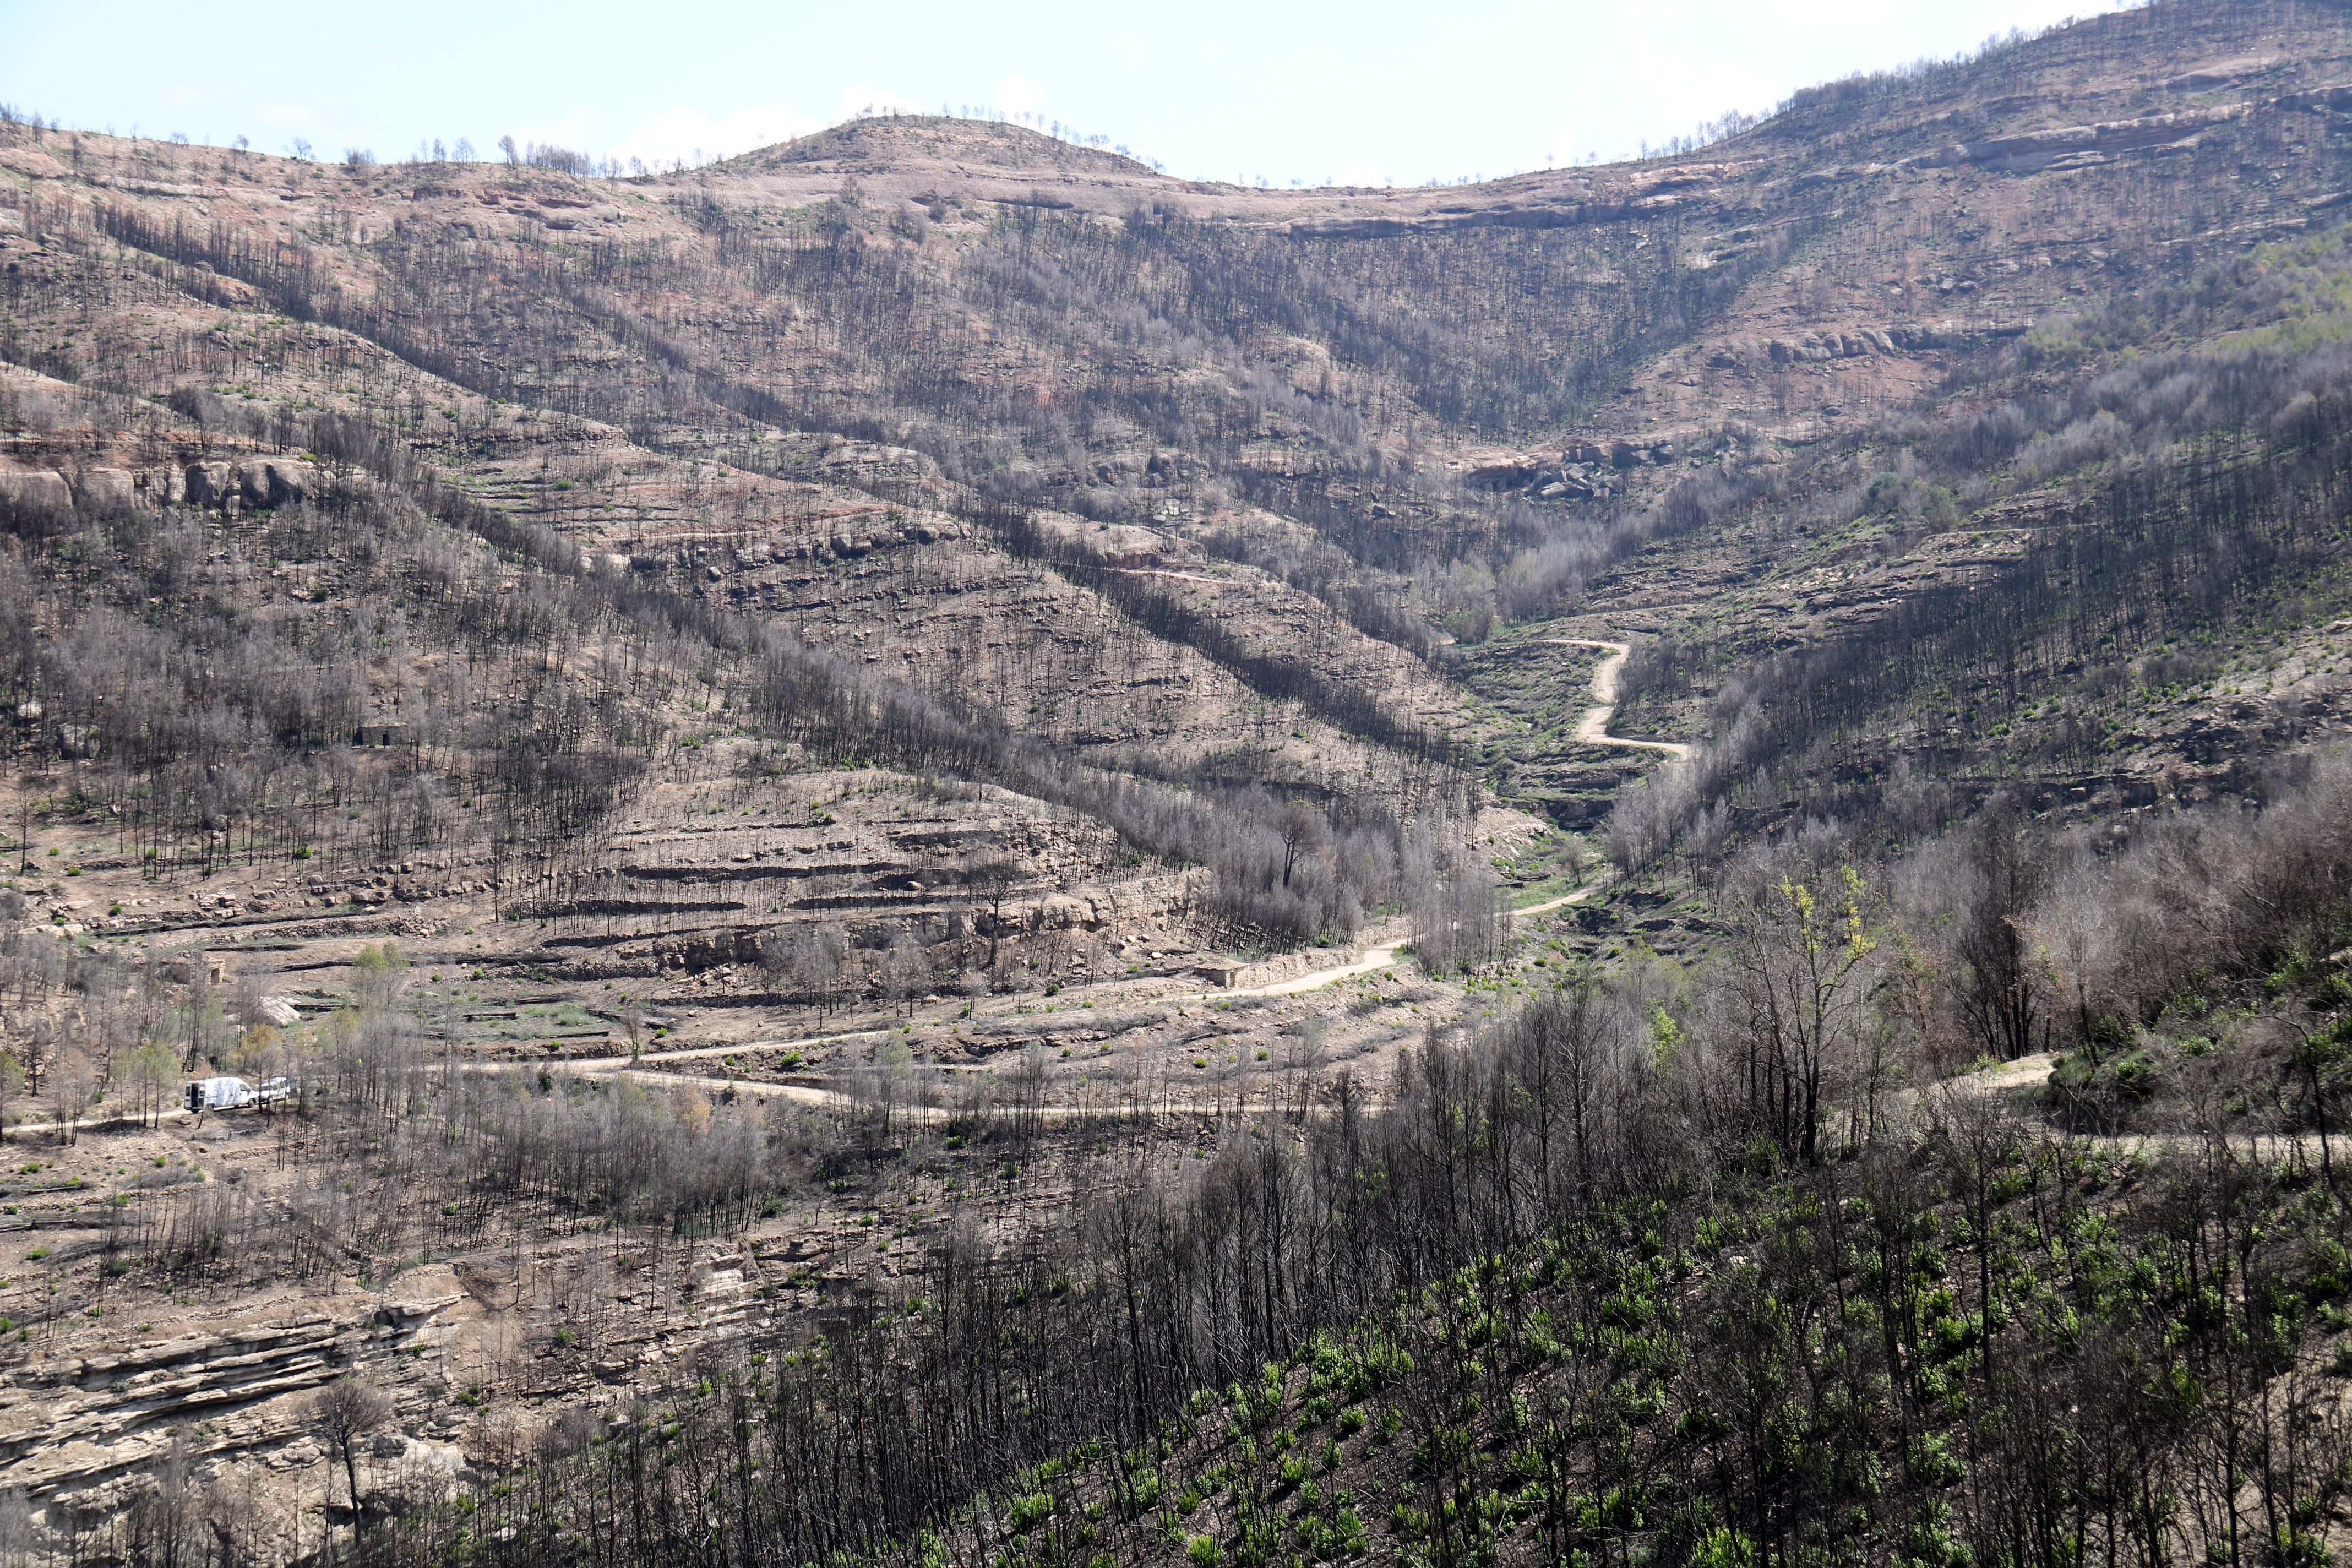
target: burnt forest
<point>928,850</point>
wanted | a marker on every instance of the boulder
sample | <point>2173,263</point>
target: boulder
<point>107,493</point>
<point>276,481</point>
<point>208,484</point>
<point>35,490</point>
<point>161,487</point>
<point>1500,477</point>
<point>1060,912</point>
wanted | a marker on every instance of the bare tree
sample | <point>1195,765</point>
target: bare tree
<point>905,970</point>
<point>1303,832</point>
<point>203,1025</point>
<point>146,1074</point>
<point>1996,983</point>
<point>991,882</point>
<point>18,1537</point>
<point>816,961</point>
<point>164,1523</point>
<point>1457,919</point>
<point>1979,1141</point>
<point>72,1080</point>
<point>1302,1066</point>
<point>345,1411</point>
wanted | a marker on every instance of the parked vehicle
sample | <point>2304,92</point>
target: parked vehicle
<point>231,1093</point>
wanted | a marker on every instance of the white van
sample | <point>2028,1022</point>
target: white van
<point>230,1093</point>
<point>218,1094</point>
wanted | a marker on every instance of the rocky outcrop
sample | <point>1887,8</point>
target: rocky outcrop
<point>1055,912</point>
<point>1843,345</point>
<point>209,484</point>
<point>2073,145</point>
<point>105,492</point>
<point>275,482</point>
<point>35,490</point>
<point>161,487</point>
<point>95,491</point>
<point>257,482</point>
<point>78,1423</point>
<point>2219,74</point>
<point>2338,96</point>
<point>31,163</point>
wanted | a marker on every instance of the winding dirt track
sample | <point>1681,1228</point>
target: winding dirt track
<point>645,1068</point>
<point>1379,957</point>
<point>1592,730</point>
<point>1575,897</point>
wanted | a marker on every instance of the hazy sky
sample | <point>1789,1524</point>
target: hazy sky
<point>1361,93</point>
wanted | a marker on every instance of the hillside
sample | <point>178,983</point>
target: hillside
<point>928,771</point>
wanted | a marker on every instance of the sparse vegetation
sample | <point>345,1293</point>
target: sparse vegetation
<point>816,861</point>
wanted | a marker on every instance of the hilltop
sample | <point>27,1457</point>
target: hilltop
<point>904,144</point>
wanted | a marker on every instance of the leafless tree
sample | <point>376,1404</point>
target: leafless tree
<point>991,882</point>
<point>344,1412</point>
<point>72,1079</point>
<point>1303,831</point>
<point>18,1537</point>
<point>1996,983</point>
<point>905,970</point>
<point>809,959</point>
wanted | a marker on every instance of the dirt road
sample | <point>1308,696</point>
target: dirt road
<point>1592,730</point>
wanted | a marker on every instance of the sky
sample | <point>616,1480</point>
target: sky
<point>1369,92</point>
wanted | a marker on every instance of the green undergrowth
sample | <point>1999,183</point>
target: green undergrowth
<point>1884,1358</point>
<point>1821,1338</point>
